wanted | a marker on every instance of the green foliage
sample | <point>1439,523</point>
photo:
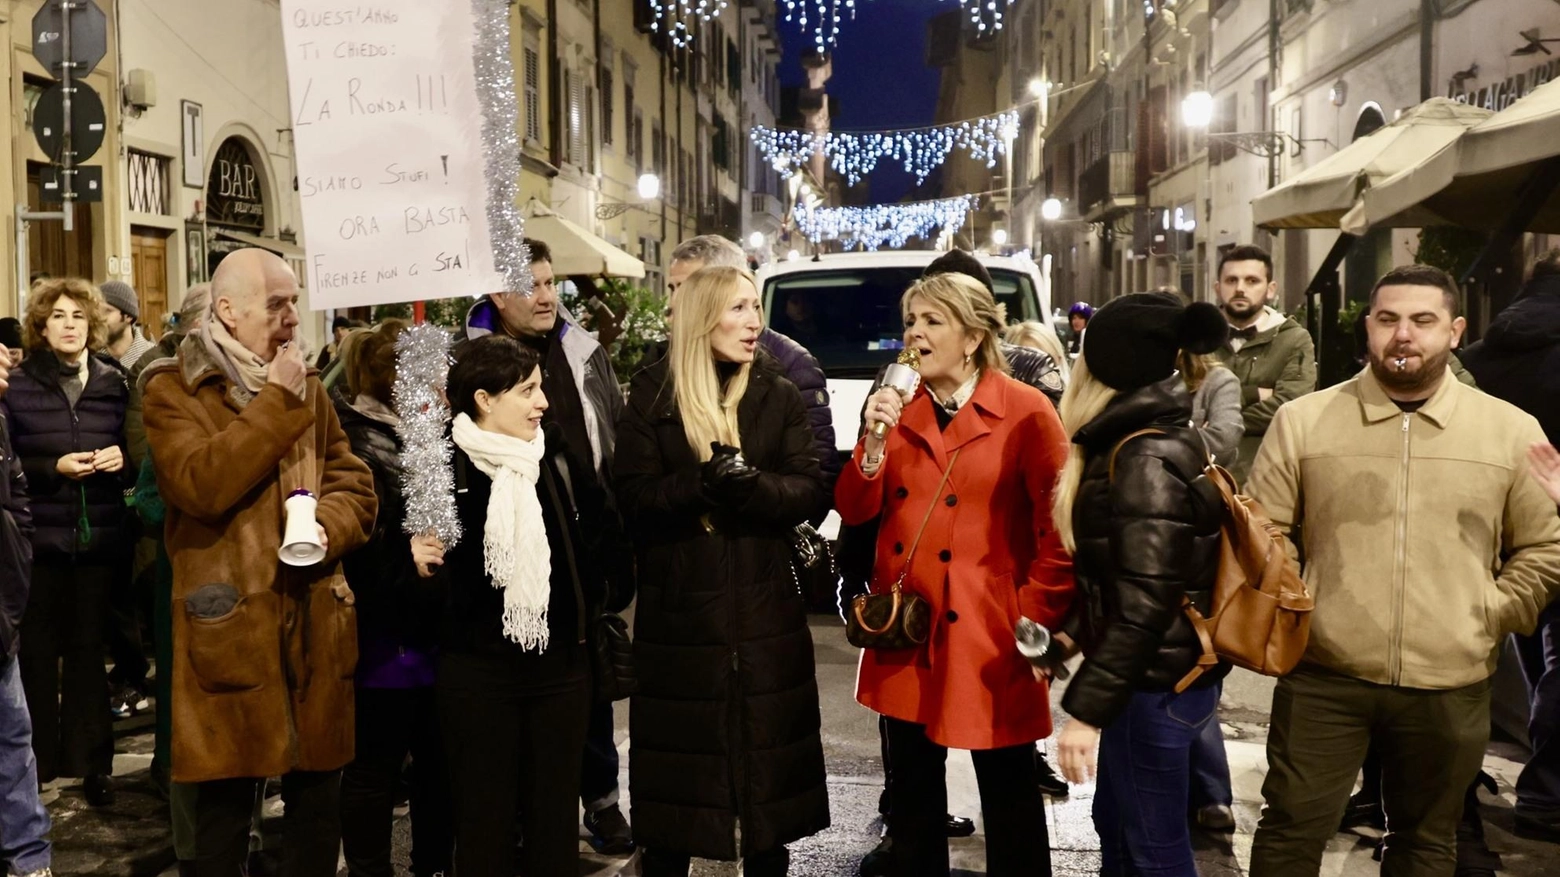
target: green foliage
<point>634,319</point>
<point>1449,248</point>
<point>448,312</point>
<point>403,310</point>
<point>1336,348</point>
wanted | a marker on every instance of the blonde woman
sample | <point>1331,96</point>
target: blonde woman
<point>715,466</point>
<point>1038,336</point>
<point>1142,525</point>
<point>974,455</point>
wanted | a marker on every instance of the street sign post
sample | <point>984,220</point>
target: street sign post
<point>88,42</point>
<point>70,37</point>
<point>88,123</point>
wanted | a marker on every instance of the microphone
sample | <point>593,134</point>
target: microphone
<point>1034,643</point>
<point>905,376</point>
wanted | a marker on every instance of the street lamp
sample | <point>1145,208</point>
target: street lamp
<point>792,256</point>
<point>1051,210</point>
<point>999,237</point>
<point>1197,109</point>
<point>1038,87</point>
<point>649,186</point>
<point>756,240</point>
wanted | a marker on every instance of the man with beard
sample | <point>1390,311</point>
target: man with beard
<point>1271,354</point>
<point>1425,543</point>
<point>122,313</point>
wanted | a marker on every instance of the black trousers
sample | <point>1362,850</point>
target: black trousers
<point>1017,842</point>
<point>392,723</point>
<point>311,825</point>
<point>513,750</point>
<point>129,600</point>
<point>64,624</point>
<point>599,767</point>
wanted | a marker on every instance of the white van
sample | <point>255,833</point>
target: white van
<point>844,308</point>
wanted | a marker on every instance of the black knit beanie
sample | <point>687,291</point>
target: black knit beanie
<point>1132,341</point>
<point>960,262</point>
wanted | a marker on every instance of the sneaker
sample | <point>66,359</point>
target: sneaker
<point>610,831</point>
<point>126,701</point>
<point>41,872</point>
<point>1216,817</point>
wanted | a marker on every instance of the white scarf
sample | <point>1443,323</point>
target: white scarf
<point>514,539</point>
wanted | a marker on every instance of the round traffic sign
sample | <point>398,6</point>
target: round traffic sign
<point>88,124</point>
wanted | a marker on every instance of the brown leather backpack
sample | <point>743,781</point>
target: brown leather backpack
<point>1261,612</point>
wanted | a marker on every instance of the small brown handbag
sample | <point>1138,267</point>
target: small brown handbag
<point>898,619</point>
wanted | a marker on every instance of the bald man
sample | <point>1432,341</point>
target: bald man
<point>263,653</point>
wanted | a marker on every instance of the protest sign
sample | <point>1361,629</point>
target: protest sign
<point>392,170</point>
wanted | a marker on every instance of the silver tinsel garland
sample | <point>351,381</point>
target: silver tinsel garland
<point>495,74</point>
<point>422,365</point>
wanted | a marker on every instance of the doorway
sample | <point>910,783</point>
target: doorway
<point>49,249</point>
<point>149,271</point>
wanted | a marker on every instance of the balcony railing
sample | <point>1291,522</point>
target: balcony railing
<point>1108,185</point>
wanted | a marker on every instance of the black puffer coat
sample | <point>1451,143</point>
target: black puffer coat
<point>15,547</point>
<point>1145,540</point>
<point>726,722</point>
<point>1519,358</point>
<point>44,427</point>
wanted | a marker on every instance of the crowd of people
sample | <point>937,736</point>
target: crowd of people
<point>1029,477</point>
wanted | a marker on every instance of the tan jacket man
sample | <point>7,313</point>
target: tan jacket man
<point>1425,542</point>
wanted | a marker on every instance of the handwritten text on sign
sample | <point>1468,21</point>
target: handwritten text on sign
<point>387,127</point>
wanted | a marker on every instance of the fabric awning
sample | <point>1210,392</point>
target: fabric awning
<point>1319,196</point>
<point>575,250</point>
<point>1474,181</point>
<point>291,252</point>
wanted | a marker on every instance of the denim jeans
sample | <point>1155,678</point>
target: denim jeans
<point>24,824</point>
<point>599,766</point>
<point>1538,786</point>
<point>1211,764</point>
<point>1144,779</point>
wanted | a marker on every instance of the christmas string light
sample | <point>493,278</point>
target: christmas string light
<point>675,18</point>
<point>853,155</point>
<point>826,21</point>
<point>891,224</point>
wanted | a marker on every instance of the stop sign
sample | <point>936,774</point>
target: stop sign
<point>88,35</point>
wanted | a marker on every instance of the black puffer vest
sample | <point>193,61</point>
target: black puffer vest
<point>1146,539</point>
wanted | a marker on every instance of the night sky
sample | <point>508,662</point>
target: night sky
<point>880,76</point>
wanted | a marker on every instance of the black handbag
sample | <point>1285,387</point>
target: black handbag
<point>898,619</point>
<point>612,659</point>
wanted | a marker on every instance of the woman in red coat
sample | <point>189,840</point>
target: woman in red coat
<point>988,555</point>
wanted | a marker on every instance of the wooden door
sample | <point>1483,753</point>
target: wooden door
<point>49,249</point>
<point>149,259</point>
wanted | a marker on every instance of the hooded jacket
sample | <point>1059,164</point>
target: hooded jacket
<point>1147,540</point>
<point>591,366</point>
<point>1281,359</point>
<point>1519,358</point>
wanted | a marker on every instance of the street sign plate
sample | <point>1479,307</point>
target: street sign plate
<point>88,36</point>
<point>88,185</point>
<point>88,124</point>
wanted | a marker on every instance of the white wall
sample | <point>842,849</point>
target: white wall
<point>227,56</point>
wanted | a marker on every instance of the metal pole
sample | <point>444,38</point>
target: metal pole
<point>67,151</point>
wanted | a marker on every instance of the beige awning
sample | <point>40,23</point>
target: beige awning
<point>292,252</point>
<point>1319,196</point>
<point>575,250</point>
<point>1474,181</point>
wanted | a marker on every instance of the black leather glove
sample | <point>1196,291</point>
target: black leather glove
<point>726,478</point>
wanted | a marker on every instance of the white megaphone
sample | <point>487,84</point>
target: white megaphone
<point>301,536</point>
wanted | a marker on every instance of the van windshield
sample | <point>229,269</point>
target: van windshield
<point>849,318</point>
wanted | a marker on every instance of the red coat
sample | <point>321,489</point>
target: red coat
<point>989,555</point>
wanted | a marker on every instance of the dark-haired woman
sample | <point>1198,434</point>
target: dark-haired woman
<point>1142,523</point>
<point>397,617</point>
<point>715,467</point>
<point>66,411</point>
<point>514,686</point>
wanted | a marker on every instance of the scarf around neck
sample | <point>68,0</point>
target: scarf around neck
<point>374,409</point>
<point>514,537</point>
<point>241,365</point>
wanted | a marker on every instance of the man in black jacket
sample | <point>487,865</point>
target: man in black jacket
<point>1519,361</point>
<point>26,849</point>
